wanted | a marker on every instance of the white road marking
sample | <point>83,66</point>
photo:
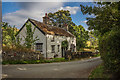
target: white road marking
<point>56,69</point>
<point>4,75</point>
<point>21,68</point>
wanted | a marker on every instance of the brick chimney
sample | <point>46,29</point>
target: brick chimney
<point>46,19</point>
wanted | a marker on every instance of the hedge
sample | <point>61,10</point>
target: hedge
<point>109,46</point>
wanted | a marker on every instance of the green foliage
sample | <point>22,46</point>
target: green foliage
<point>96,55</point>
<point>109,48</point>
<point>61,18</point>
<point>18,40</point>
<point>59,59</point>
<point>93,38</point>
<point>34,61</point>
<point>8,34</point>
<point>99,72</point>
<point>106,22</point>
<point>65,44</point>
<point>21,62</point>
<point>107,16</point>
<point>81,36</point>
<point>29,40</point>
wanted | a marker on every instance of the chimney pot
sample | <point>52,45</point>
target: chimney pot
<point>46,14</point>
<point>46,19</point>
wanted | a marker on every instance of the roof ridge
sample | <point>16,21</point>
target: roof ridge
<point>48,29</point>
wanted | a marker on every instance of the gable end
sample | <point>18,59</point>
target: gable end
<point>33,24</point>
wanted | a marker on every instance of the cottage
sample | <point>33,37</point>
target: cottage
<point>50,38</point>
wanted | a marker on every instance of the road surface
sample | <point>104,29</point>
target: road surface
<point>73,69</point>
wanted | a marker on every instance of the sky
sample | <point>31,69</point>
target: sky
<point>0,10</point>
<point>17,13</point>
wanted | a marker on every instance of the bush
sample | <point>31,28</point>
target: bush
<point>68,54</point>
<point>59,59</point>
<point>109,46</point>
<point>56,55</point>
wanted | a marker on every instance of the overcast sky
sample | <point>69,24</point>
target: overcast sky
<point>16,13</point>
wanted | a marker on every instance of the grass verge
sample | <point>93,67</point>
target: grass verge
<point>41,61</point>
<point>99,72</point>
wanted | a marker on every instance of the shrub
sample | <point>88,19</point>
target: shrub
<point>59,59</point>
<point>64,44</point>
<point>56,55</point>
<point>109,46</point>
<point>68,54</point>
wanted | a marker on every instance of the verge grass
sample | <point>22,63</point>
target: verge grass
<point>99,73</point>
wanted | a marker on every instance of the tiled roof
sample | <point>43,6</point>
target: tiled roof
<point>50,29</point>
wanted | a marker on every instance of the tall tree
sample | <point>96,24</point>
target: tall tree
<point>93,39</point>
<point>107,16</point>
<point>81,36</point>
<point>8,34</point>
<point>61,18</point>
<point>107,23</point>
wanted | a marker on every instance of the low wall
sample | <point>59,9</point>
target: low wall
<point>74,55</point>
<point>21,56</point>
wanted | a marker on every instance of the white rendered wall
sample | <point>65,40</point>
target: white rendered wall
<point>58,41</point>
<point>41,37</point>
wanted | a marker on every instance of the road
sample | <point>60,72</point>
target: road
<point>73,69</point>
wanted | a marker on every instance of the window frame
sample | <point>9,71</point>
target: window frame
<point>52,48</point>
<point>41,47</point>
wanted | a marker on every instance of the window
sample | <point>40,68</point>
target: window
<point>53,39</point>
<point>53,48</point>
<point>39,47</point>
<point>58,48</point>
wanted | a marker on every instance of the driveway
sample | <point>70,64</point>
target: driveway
<point>73,69</point>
